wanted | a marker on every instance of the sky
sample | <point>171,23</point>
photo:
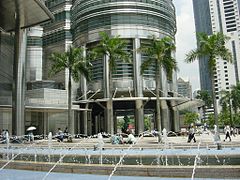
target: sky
<point>186,41</point>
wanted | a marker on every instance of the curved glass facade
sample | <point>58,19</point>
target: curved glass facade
<point>88,15</point>
<point>135,21</point>
<point>127,18</point>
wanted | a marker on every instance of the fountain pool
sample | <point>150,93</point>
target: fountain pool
<point>172,159</point>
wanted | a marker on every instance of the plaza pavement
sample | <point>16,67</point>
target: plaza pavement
<point>204,140</point>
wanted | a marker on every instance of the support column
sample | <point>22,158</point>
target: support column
<point>165,115</point>
<point>89,123</point>
<point>109,117</point>
<point>96,119</point>
<point>46,125</point>
<point>176,122</point>
<point>115,122</point>
<point>85,121</point>
<point>138,82</point>
<point>108,113</point>
<point>18,89</point>
<point>139,117</point>
<point>84,92</point>
<point>138,87</point>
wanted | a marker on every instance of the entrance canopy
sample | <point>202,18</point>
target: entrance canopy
<point>32,12</point>
<point>180,102</point>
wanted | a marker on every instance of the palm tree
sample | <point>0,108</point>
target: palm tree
<point>235,99</point>
<point>225,102</point>
<point>159,55</point>
<point>113,49</point>
<point>77,65</point>
<point>212,47</point>
<point>204,95</point>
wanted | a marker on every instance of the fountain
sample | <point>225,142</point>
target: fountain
<point>216,138</point>
<point>146,157</point>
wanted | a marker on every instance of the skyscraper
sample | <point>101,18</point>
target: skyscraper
<point>135,22</point>
<point>213,16</point>
<point>184,88</point>
<point>78,22</point>
<point>16,17</point>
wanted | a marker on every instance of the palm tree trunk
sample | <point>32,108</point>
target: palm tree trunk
<point>158,110</point>
<point>70,123</point>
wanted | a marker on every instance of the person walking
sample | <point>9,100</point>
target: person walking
<point>191,134</point>
<point>227,133</point>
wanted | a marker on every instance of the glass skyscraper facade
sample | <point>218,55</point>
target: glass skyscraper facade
<point>16,17</point>
<point>6,78</point>
<point>213,16</point>
<point>78,22</point>
<point>136,22</point>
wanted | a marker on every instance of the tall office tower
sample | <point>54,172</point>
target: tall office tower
<point>184,88</point>
<point>16,17</point>
<point>213,16</point>
<point>34,54</point>
<point>6,79</point>
<point>57,36</point>
<point>133,93</point>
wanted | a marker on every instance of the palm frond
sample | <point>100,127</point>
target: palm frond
<point>192,56</point>
<point>58,63</point>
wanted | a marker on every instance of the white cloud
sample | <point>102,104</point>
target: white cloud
<point>185,41</point>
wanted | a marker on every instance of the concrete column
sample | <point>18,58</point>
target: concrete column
<point>108,113</point>
<point>176,122</point>
<point>139,117</point>
<point>109,117</point>
<point>102,123</point>
<point>18,90</point>
<point>115,123</point>
<point>106,89</point>
<point>138,87</point>
<point>83,87</point>
<point>138,82</point>
<point>89,123</point>
<point>165,115</point>
<point>85,120</point>
<point>96,121</point>
<point>46,125</point>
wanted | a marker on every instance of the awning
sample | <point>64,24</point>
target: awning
<point>32,12</point>
<point>188,103</point>
<point>45,108</point>
<point>180,102</point>
<point>127,99</point>
<point>54,108</point>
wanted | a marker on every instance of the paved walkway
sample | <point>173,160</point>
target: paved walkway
<point>205,140</point>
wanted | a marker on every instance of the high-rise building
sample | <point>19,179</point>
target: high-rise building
<point>135,22</point>
<point>184,88</point>
<point>213,16</point>
<point>16,17</point>
<point>6,79</point>
<point>44,102</point>
<point>34,54</point>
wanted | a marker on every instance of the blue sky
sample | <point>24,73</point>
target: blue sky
<point>186,41</point>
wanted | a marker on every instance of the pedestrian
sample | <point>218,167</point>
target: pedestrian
<point>66,131</point>
<point>191,134</point>
<point>131,139</point>
<point>60,135</point>
<point>30,136</point>
<point>232,132</point>
<point>227,133</point>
